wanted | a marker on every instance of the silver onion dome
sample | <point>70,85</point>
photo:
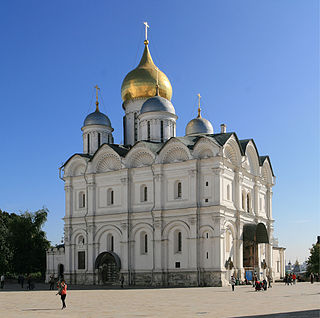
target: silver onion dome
<point>97,118</point>
<point>199,125</point>
<point>157,104</point>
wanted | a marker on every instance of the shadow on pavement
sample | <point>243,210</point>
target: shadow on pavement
<point>295,314</point>
<point>40,309</point>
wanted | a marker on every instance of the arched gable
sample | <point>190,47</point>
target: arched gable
<point>106,159</point>
<point>253,158</point>
<point>139,156</point>
<point>174,151</point>
<point>232,151</point>
<point>76,166</point>
<point>205,148</point>
<point>266,172</point>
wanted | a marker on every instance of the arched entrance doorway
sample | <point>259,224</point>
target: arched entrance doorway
<point>108,265</point>
<point>60,270</point>
<point>253,234</point>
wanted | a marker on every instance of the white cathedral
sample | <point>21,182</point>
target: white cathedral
<point>162,210</point>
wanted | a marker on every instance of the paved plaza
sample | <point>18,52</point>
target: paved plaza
<point>301,300</point>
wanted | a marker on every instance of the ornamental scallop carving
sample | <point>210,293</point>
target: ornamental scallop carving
<point>175,155</point>
<point>140,159</point>
<point>108,163</point>
<point>230,154</point>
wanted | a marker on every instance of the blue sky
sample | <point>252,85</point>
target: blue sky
<point>256,64</point>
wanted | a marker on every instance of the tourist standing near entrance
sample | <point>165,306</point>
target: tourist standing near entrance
<point>62,292</point>
<point>233,282</point>
<point>2,281</point>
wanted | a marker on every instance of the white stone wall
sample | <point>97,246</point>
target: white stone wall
<point>208,213</point>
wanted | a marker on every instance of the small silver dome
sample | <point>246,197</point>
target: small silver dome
<point>97,118</point>
<point>199,125</point>
<point>157,104</point>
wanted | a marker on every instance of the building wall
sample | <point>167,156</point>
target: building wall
<point>209,214</point>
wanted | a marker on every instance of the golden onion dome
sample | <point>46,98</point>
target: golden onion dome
<point>141,82</point>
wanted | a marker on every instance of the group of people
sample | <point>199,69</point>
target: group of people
<point>258,284</point>
<point>290,279</point>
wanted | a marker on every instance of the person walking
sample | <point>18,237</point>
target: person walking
<point>294,277</point>
<point>233,282</point>
<point>63,292</point>
<point>51,282</point>
<point>2,281</point>
<point>269,281</point>
<point>311,278</point>
<point>21,281</point>
<point>121,280</point>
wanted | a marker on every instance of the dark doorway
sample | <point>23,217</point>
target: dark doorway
<point>60,270</point>
<point>253,234</point>
<point>108,265</point>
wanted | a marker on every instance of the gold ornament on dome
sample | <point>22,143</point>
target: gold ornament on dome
<point>141,82</point>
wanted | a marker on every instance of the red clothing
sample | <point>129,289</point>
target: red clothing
<point>64,289</point>
<point>294,276</point>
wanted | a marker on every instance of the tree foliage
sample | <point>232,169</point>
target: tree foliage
<point>313,260</point>
<point>23,243</point>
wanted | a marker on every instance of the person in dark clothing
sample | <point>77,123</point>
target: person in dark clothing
<point>51,282</point>
<point>63,292</point>
<point>121,280</point>
<point>21,281</point>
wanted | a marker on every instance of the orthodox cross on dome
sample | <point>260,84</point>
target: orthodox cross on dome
<point>199,109</point>
<point>97,102</point>
<point>146,32</point>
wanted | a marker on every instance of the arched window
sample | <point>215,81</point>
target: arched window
<point>144,193</point>
<point>243,200</point>
<point>110,243</point>
<point>88,143</point>
<point>110,197</point>
<point>228,192</point>
<point>146,243</point>
<point>248,203</point>
<point>99,140</point>
<point>178,242</point>
<point>82,200</point>
<point>148,127</point>
<point>143,243</point>
<point>161,130</point>
<point>178,190</point>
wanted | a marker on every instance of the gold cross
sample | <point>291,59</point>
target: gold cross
<point>146,32</point>
<point>97,102</point>
<point>199,109</point>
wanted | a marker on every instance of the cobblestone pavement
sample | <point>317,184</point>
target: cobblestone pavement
<point>301,300</point>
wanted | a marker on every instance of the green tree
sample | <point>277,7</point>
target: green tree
<point>313,260</point>
<point>5,251</point>
<point>27,242</point>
